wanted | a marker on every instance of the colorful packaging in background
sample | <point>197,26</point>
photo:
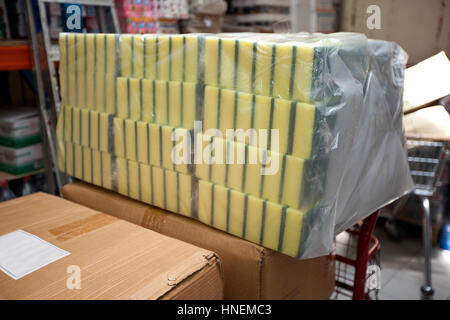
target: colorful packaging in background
<point>172,9</point>
<point>145,16</point>
<point>330,106</point>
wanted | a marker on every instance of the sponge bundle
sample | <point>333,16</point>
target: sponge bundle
<point>131,102</point>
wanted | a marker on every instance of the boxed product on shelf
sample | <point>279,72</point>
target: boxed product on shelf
<point>19,126</point>
<point>136,16</point>
<point>142,8</point>
<point>171,9</point>
<point>21,160</point>
<point>312,121</point>
<point>137,24</point>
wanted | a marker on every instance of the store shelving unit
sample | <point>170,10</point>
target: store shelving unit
<point>9,177</point>
<point>15,55</point>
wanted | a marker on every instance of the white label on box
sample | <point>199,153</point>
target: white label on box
<point>22,253</point>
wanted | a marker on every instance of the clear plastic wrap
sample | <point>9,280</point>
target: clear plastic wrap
<point>281,139</point>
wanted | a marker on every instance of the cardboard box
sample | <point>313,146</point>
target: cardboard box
<point>117,259</point>
<point>420,27</point>
<point>249,270</point>
<point>21,160</point>
<point>19,126</point>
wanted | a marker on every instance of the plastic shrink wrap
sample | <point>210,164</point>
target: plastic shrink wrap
<point>281,139</point>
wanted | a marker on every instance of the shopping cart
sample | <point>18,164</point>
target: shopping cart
<point>358,262</point>
<point>426,160</point>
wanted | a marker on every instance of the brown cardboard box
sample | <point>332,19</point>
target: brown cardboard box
<point>117,259</point>
<point>250,271</point>
<point>420,27</point>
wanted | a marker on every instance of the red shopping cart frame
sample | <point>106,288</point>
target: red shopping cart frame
<point>366,248</point>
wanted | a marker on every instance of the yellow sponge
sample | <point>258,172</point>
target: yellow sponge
<point>148,100</point>
<point>122,176</point>
<point>166,147</point>
<point>71,69</point>
<point>90,65</point>
<point>135,99</point>
<point>284,63</point>
<point>85,127</point>
<point>63,68</point>
<point>164,102</point>
<point>146,183</point>
<point>189,95</point>
<point>163,58</point>
<point>228,78</point>
<point>153,144</point>
<point>270,224</point>
<point>130,96</point>
<point>123,108</point>
<point>211,113</point>
<point>90,72</point>
<point>280,121</point>
<point>126,54</point>
<point>138,57</point>
<point>125,139</point>
<point>245,65</point>
<point>212,61</point>
<point>176,57</point>
<point>228,109</point>
<point>86,164</point>
<point>229,63</point>
<point>264,68</point>
<point>304,62</point>
<point>174,104</point>
<point>111,72</point>
<point>303,134</point>
<point>192,58</point>
<point>159,198</point>
<point>80,75</point>
<point>161,100</point>
<point>149,55</point>
<point>76,125</point>
<point>155,138</point>
<point>100,72</point>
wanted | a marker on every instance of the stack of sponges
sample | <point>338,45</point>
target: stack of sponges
<point>125,97</point>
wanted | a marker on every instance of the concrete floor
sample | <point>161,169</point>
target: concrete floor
<point>402,268</point>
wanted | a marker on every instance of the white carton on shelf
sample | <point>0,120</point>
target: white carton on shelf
<point>21,160</point>
<point>19,126</point>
